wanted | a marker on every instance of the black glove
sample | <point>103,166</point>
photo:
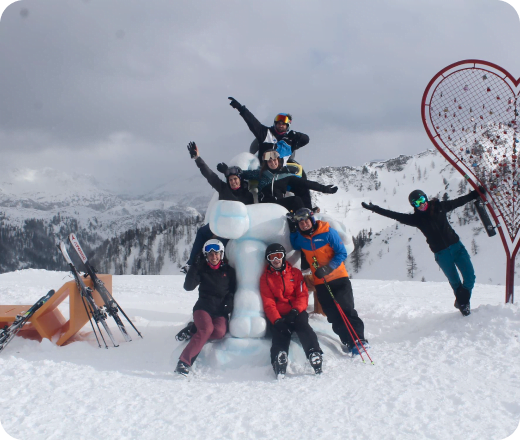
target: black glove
<point>235,104</point>
<point>369,206</point>
<point>187,332</point>
<point>291,316</point>
<point>282,327</point>
<point>293,224</point>
<point>222,167</point>
<point>322,271</point>
<point>330,189</point>
<point>482,189</point>
<point>192,148</point>
<point>228,305</point>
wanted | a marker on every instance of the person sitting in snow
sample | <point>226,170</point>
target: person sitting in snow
<point>275,179</point>
<point>234,189</point>
<point>278,136</point>
<point>217,284</point>
<point>450,254</point>
<point>285,298</point>
<point>325,254</point>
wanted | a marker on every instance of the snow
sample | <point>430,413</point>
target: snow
<point>436,374</point>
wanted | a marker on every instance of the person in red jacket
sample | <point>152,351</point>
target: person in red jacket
<point>285,298</point>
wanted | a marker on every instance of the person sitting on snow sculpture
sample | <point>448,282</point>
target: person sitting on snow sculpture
<point>429,217</point>
<point>325,252</point>
<point>217,284</point>
<point>285,299</point>
<point>275,180</point>
<point>233,189</point>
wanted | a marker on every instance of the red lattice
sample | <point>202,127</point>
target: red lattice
<point>470,113</point>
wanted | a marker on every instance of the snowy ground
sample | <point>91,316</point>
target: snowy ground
<point>437,375</point>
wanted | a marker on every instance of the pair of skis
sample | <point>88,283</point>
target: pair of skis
<point>97,314</point>
<point>8,333</point>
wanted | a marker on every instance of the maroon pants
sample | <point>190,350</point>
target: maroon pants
<point>207,328</point>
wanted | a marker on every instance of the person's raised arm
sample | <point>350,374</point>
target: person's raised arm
<point>258,129</point>
<point>407,219</point>
<point>210,176</point>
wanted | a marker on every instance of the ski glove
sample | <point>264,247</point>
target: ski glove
<point>235,104</point>
<point>369,206</point>
<point>194,151</point>
<point>330,189</point>
<point>282,327</point>
<point>222,167</point>
<point>322,271</point>
<point>291,316</point>
<point>293,224</point>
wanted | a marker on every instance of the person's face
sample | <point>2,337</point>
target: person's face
<point>305,225</point>
<point>234,182</point>
<point>272,164</point>
<point>281,127</point>
<point>423,207</point>
<point>213,257</point>
<point>276,263</point>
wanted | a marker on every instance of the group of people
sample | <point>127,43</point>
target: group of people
<point>283,291</point>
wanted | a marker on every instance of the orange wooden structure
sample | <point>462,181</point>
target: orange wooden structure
<point>48,322</point>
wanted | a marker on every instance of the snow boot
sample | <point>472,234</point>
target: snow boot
<point>182,368</point>
<point>316,361</point>
<point>465,309</point>
<point>187,332</point>
<point>354,350</point>
<point>280,365</point>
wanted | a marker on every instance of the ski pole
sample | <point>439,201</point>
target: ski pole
<point>346,321</point>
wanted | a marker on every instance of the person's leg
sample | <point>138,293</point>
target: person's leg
<point>306,334</point>
<point>205,328</point>
<point>463,262</point>
<point>446,262</point>
<point>298,187</point>
<point>219,327</point>
<point>280,342</point>
<point>203,234</point>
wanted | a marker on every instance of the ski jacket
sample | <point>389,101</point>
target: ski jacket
<point>268,138</point>
<point>216,286</point>
<point>283,291</point>
<point>225,192</point>
<point>325,244</point>
<point>433,222</point>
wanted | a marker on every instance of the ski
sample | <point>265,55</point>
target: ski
<point>111,305</point>
<point>9,332</point>
<point>91,308</point>
<point>484,217</point>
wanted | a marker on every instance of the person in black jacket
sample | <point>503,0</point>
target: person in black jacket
<point>217,284</point>
<point>450,254</point>
<point>234,189</point>
<point>278,136</point>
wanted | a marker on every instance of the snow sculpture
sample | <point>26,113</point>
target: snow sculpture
<point>251,229</point>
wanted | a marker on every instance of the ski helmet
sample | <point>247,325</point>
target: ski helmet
<point>233,171</point>
<point>215,246</point>
<point>304,214</point>
<point>275,250</point>
<point>286,118</point>
<point>417,197</point>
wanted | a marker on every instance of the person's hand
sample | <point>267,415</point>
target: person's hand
<point>369,206</point>
<point>291,316</point>
<point>293,224</point>
<point>322,271</point>
<point>235,104</point>
<point>330,189</point>
<point>228,305</point>
<point>282,327</point>
<point>194,151</point>
<point>222,167</point>
<point>482,190</point>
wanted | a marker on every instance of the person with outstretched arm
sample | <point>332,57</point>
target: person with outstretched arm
<point>285,298</point>
<point>429,217</point>
<point>216,281</point>
<point>234,189</point>
<point>322,247</point>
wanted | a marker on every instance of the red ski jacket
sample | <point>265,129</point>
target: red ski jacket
<point>283,291</point>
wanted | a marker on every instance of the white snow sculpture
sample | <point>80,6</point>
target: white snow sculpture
<point>251,229</point>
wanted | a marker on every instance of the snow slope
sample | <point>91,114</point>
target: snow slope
<point>437,375</point>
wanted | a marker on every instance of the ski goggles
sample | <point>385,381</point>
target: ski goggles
<point>418,202</point>
<point>300,216</point>
<point>282,117</point>
<point>276,256</point>
<point>213,247</point>
<point>233,171</point>
<point>268,155</point>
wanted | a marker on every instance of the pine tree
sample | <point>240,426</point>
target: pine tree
<point>410,262</point>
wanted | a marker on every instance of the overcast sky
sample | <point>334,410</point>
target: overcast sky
<point>118,88</point>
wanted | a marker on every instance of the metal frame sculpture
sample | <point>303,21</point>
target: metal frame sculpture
<point>469,110</point>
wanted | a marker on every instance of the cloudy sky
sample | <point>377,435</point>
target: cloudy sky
<point>118,88</point>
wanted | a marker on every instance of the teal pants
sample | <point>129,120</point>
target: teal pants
<point>456,257</point>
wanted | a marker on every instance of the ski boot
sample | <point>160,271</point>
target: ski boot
<point>182,368</point>
<point>464,309</point>
<point>187,332</point>
<point>316,361</point>
<point>280,365</point>
<point>354,349</point>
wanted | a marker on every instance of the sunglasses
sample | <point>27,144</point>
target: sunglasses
<point>282,118</point>
<point>419,201</point>
<point>275,256</point>
<point>212,248</point>
<point>268,155</point>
